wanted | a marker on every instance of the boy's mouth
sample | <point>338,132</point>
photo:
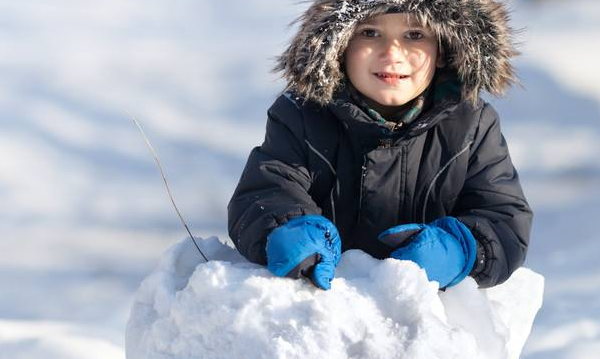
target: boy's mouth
<point>389,77</point>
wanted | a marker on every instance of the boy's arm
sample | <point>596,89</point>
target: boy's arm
<point>493,206</point>
<point>273,187</point>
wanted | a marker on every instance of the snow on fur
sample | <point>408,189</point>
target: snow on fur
<point>230,308</point>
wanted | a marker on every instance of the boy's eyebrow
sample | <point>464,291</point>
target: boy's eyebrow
<point>368,22</point>
<point>412,22</point>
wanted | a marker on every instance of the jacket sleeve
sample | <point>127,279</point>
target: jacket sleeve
<point>492,204</point>
<point>274,185</point>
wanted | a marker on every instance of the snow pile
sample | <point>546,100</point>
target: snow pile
<point>230,308</point>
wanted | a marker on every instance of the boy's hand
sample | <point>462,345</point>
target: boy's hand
<point>308,245</point>
<point>445,248</point>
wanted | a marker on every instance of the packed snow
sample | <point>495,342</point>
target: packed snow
<point>231,308</point>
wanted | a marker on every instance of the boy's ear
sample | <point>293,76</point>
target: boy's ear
<point>440,63</point>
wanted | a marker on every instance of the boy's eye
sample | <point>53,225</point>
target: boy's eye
<point>369,33</point>
<point>415,35</point>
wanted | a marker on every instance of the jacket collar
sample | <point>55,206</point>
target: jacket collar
<point>442,97</point>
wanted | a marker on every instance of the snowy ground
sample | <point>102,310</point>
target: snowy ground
<point>83,214</point>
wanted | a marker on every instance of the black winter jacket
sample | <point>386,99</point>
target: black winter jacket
<point>336,161</point>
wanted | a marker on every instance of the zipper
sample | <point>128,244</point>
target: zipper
<point>363,173</point>
<point>437,175</point>
<point>403,178</point>
<point>332,205</point>
<point>336,186</point>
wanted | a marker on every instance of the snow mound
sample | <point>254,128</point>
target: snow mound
<point>230,308</point>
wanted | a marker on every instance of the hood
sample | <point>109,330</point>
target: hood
<point>475,35</point>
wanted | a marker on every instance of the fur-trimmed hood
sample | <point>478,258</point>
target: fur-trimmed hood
<point>475,33</point>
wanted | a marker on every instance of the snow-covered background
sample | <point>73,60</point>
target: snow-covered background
<point>83,213</point>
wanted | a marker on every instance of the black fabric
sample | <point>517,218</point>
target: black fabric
<point>336,161</point>
<point>305,268</point>
<point>400,239</point>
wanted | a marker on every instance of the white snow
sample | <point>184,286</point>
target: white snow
<point>34,339</point>
<point>230,308</point>
<point>563,41</point>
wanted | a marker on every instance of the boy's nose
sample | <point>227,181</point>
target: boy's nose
<point>393,51</point>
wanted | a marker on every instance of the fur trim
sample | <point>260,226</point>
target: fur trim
<point>474,32</point>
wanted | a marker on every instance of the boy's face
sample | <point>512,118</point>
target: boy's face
<point>391,60</point>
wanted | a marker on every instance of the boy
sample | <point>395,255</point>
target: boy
<point>381,143</point>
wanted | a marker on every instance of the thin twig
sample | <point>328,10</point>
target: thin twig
<point>157,160</point>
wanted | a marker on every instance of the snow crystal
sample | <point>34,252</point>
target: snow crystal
<point>230,308</point>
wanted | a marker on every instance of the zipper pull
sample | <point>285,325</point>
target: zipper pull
<point>385,143</point>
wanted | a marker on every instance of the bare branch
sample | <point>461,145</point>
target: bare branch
<point>157,160</point>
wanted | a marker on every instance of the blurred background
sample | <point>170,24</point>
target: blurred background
<point>83,212</point>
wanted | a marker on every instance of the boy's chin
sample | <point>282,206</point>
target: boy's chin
<point>390,99</point>
<point>393,102</point>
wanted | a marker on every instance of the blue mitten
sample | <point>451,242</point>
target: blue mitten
<point>444,248</point>
<point>308,245</point>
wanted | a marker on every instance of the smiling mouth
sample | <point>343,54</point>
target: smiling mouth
<point>390,78</point>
